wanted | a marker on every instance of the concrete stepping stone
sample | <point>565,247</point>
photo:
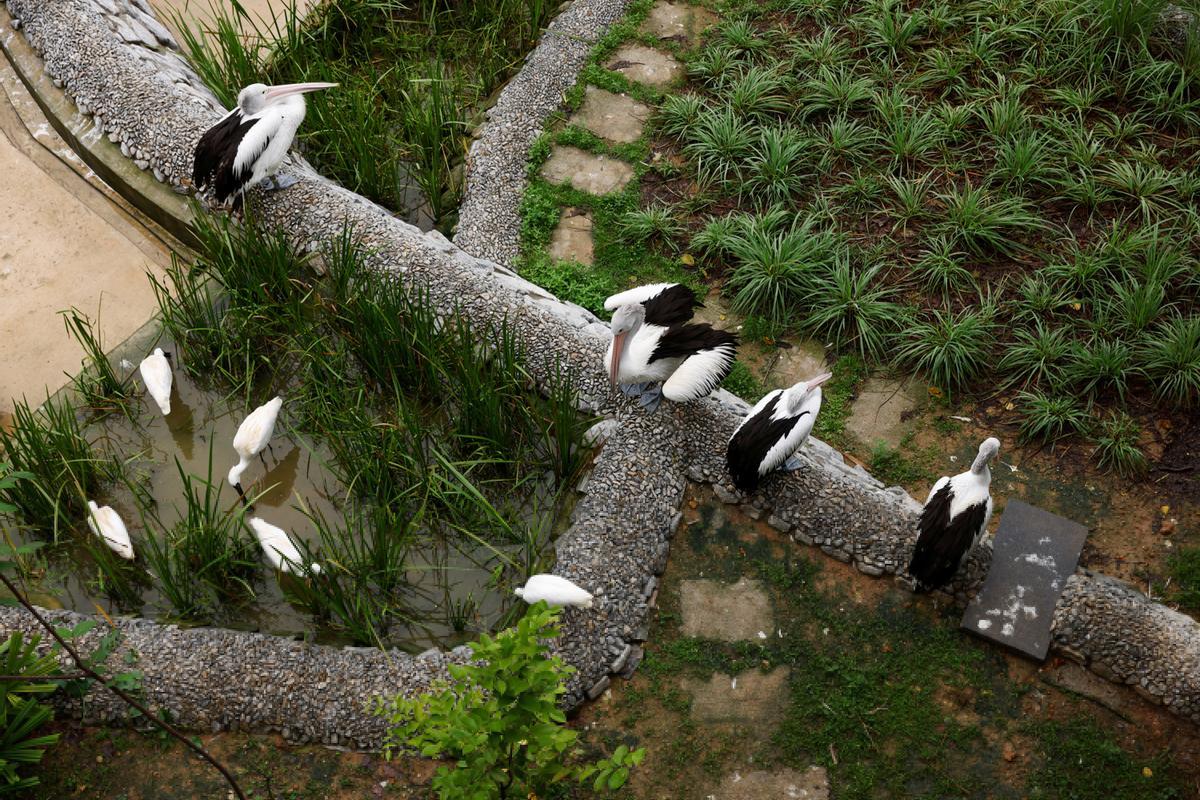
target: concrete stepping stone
<point>715,610</point>
<point>586,171</point>
<point>572,239</point>
<point>646,65</point>
<point>881,411</point>
<point>677,21</point>
<point>786,784</point>
<point>750,698</point>
<point>1033,555</point>
<point>616,117</point>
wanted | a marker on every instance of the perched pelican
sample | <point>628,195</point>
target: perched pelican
<point>554,590</point>
<point>773,432</point>
<point>156,374</point>
<point>653,342</point>
<point>108,525</point>
<point>280,549</point>
<point>252,436</point>
<point>250,143</point>
<point>953,520</point>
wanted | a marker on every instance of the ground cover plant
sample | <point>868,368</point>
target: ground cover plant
<point>412,76</point>
<point>442,457</point>
<point>998,195</point>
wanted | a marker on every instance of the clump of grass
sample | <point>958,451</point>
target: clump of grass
<point>1117,446</point>
<point>98,383</point>
<point>1102,364</point>
<point>1048,418</point>
<point>1172,358</point>
<point>1184,568</point>
<point>741,381</point>
<point>952,349</point>
<point>657,222</point>
<point>1037,356</point>
<point>940,269</point>
<point>984,223</point>
<point>895,467</point>
<point>1079,758</point>
<point>853,309</point>
<point>774,268</point>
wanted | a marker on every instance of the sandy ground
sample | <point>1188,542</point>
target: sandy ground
<point>63,243</point>
<point>198,13</point>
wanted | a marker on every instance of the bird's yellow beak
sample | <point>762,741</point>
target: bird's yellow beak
<point>286,89</point>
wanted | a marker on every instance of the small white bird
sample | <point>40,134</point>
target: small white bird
<point>252,436</point>
<point>953,521</point>
<point>156,374</point>
<point>554,590</point>
<point>280,549</point>
<point>108,525</point>
<point>774,430</point>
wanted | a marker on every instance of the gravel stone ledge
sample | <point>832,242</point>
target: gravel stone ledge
<point>145,97</point>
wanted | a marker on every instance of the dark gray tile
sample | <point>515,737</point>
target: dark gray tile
<point>1034,554</point>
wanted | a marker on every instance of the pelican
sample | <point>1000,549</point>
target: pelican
<point>554,590</point>
<point>156,374</point>
<point>108,525</point>
<point>654,343</point>
<point>953,521</point>
<point>280,549</point>
<point>249,144</point>
<point>252,436</point>
<point>773,432</point>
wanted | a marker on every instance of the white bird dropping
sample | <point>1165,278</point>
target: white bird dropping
<point>554,590</point>
<point>156,374</point>
<point>280,549</point>
<point>252,436</point>
<point>108,525</point>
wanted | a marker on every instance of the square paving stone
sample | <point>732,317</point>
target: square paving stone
<point>1033,555</point>
<point>646,65</point>
<point>616,117</point>
<point>729,613</point>
<point>749,698</point>
<point>677,21</point>
<point>784,784</point>
<point>585,171</point>
<point>572,238</point>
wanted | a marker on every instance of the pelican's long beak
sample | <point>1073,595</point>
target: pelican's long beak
<point>817,381</point>
<point>286,89</point>
<point>617,350</point>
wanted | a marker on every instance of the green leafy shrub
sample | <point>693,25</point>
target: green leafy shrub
<point>1117,446</point>
<point>952,349</point>
<point>20,713</point>
<point>499,719</point>
<point>1049,417</point>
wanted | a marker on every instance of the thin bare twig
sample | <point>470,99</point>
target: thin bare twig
<point>125,696</point>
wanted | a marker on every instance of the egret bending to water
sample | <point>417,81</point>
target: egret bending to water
<point>108,525</point>
<point>773,431</point>
<point>953,521</point>
<point>554,590</point>
<point>156,374</point>
<point>252,436</point>
<point>280,549</point>
<point>653,341</point>
<point>249,144</point>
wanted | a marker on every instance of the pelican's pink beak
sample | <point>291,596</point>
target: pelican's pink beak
<point>618,349</point>
<point>817,381</point>
<point>287,89</point>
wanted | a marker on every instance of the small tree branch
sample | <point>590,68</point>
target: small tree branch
<point>125,696</point>
<point>68,676</point>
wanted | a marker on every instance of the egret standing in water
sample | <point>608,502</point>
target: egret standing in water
<point>156,374</point>
<point>249,144</point>
<point>773,432</point>
<point>953,521</point>
<point>108,525</point>
<point>657,352</point>
<point>252,436</point>
<point>554,590</point>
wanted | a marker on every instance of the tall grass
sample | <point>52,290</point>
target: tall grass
<point>97,383</point>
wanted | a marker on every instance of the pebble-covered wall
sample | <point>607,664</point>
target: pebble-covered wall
<point>121,66</point>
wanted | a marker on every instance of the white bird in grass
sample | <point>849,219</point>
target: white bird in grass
<point>108,525</point>
<point>156,374</point>
<point>773,432</point>
<point>953,521</point>
<point>554,590</point>
<point>280,549</point>
<point>653,342</point>
<point>252,436</point>
<point>250,143</point>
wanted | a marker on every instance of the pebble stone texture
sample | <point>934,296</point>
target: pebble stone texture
<point>144,96</point>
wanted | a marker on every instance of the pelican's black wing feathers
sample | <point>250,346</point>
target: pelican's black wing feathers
<point>217,148</point>
<point>671,306</point>
<point>943,541</point>
<point>750,444</point>
<point>681,341</point>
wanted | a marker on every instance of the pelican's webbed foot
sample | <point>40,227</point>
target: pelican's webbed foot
<point>651,398</point>
<point>792,464</point>
<point>282,182</point>
<point>633,389</point>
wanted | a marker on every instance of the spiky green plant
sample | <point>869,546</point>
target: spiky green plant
<point>940,269</point>
<point>853,309</point>
<point>656,222</point>
<point>984,223</point>
<point>1117,446</point>
<point>1102,364</point>
<point>1048,418</point>
<point>952,349</point>
<point>1037,356</point>
<point>1171,355</point>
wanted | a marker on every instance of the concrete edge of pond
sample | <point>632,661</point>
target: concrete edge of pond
<point>619,541</point>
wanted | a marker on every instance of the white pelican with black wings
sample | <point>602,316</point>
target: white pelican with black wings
<point>774,430</point>
<point>656,351</point>
<point>953,521</point>
<point>249,144</point>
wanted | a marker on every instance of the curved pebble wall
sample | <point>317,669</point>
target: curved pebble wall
<point>113,60</point>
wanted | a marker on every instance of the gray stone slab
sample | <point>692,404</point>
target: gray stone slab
<point>749,698</point>
<point>677,21</point>
<point>1033,555</point>
<point>729,613</point>
<point>611,116</point>
<point>646,65</point>
<point>572,239</point>
<point>784,784</point>
<point>585,171</point>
